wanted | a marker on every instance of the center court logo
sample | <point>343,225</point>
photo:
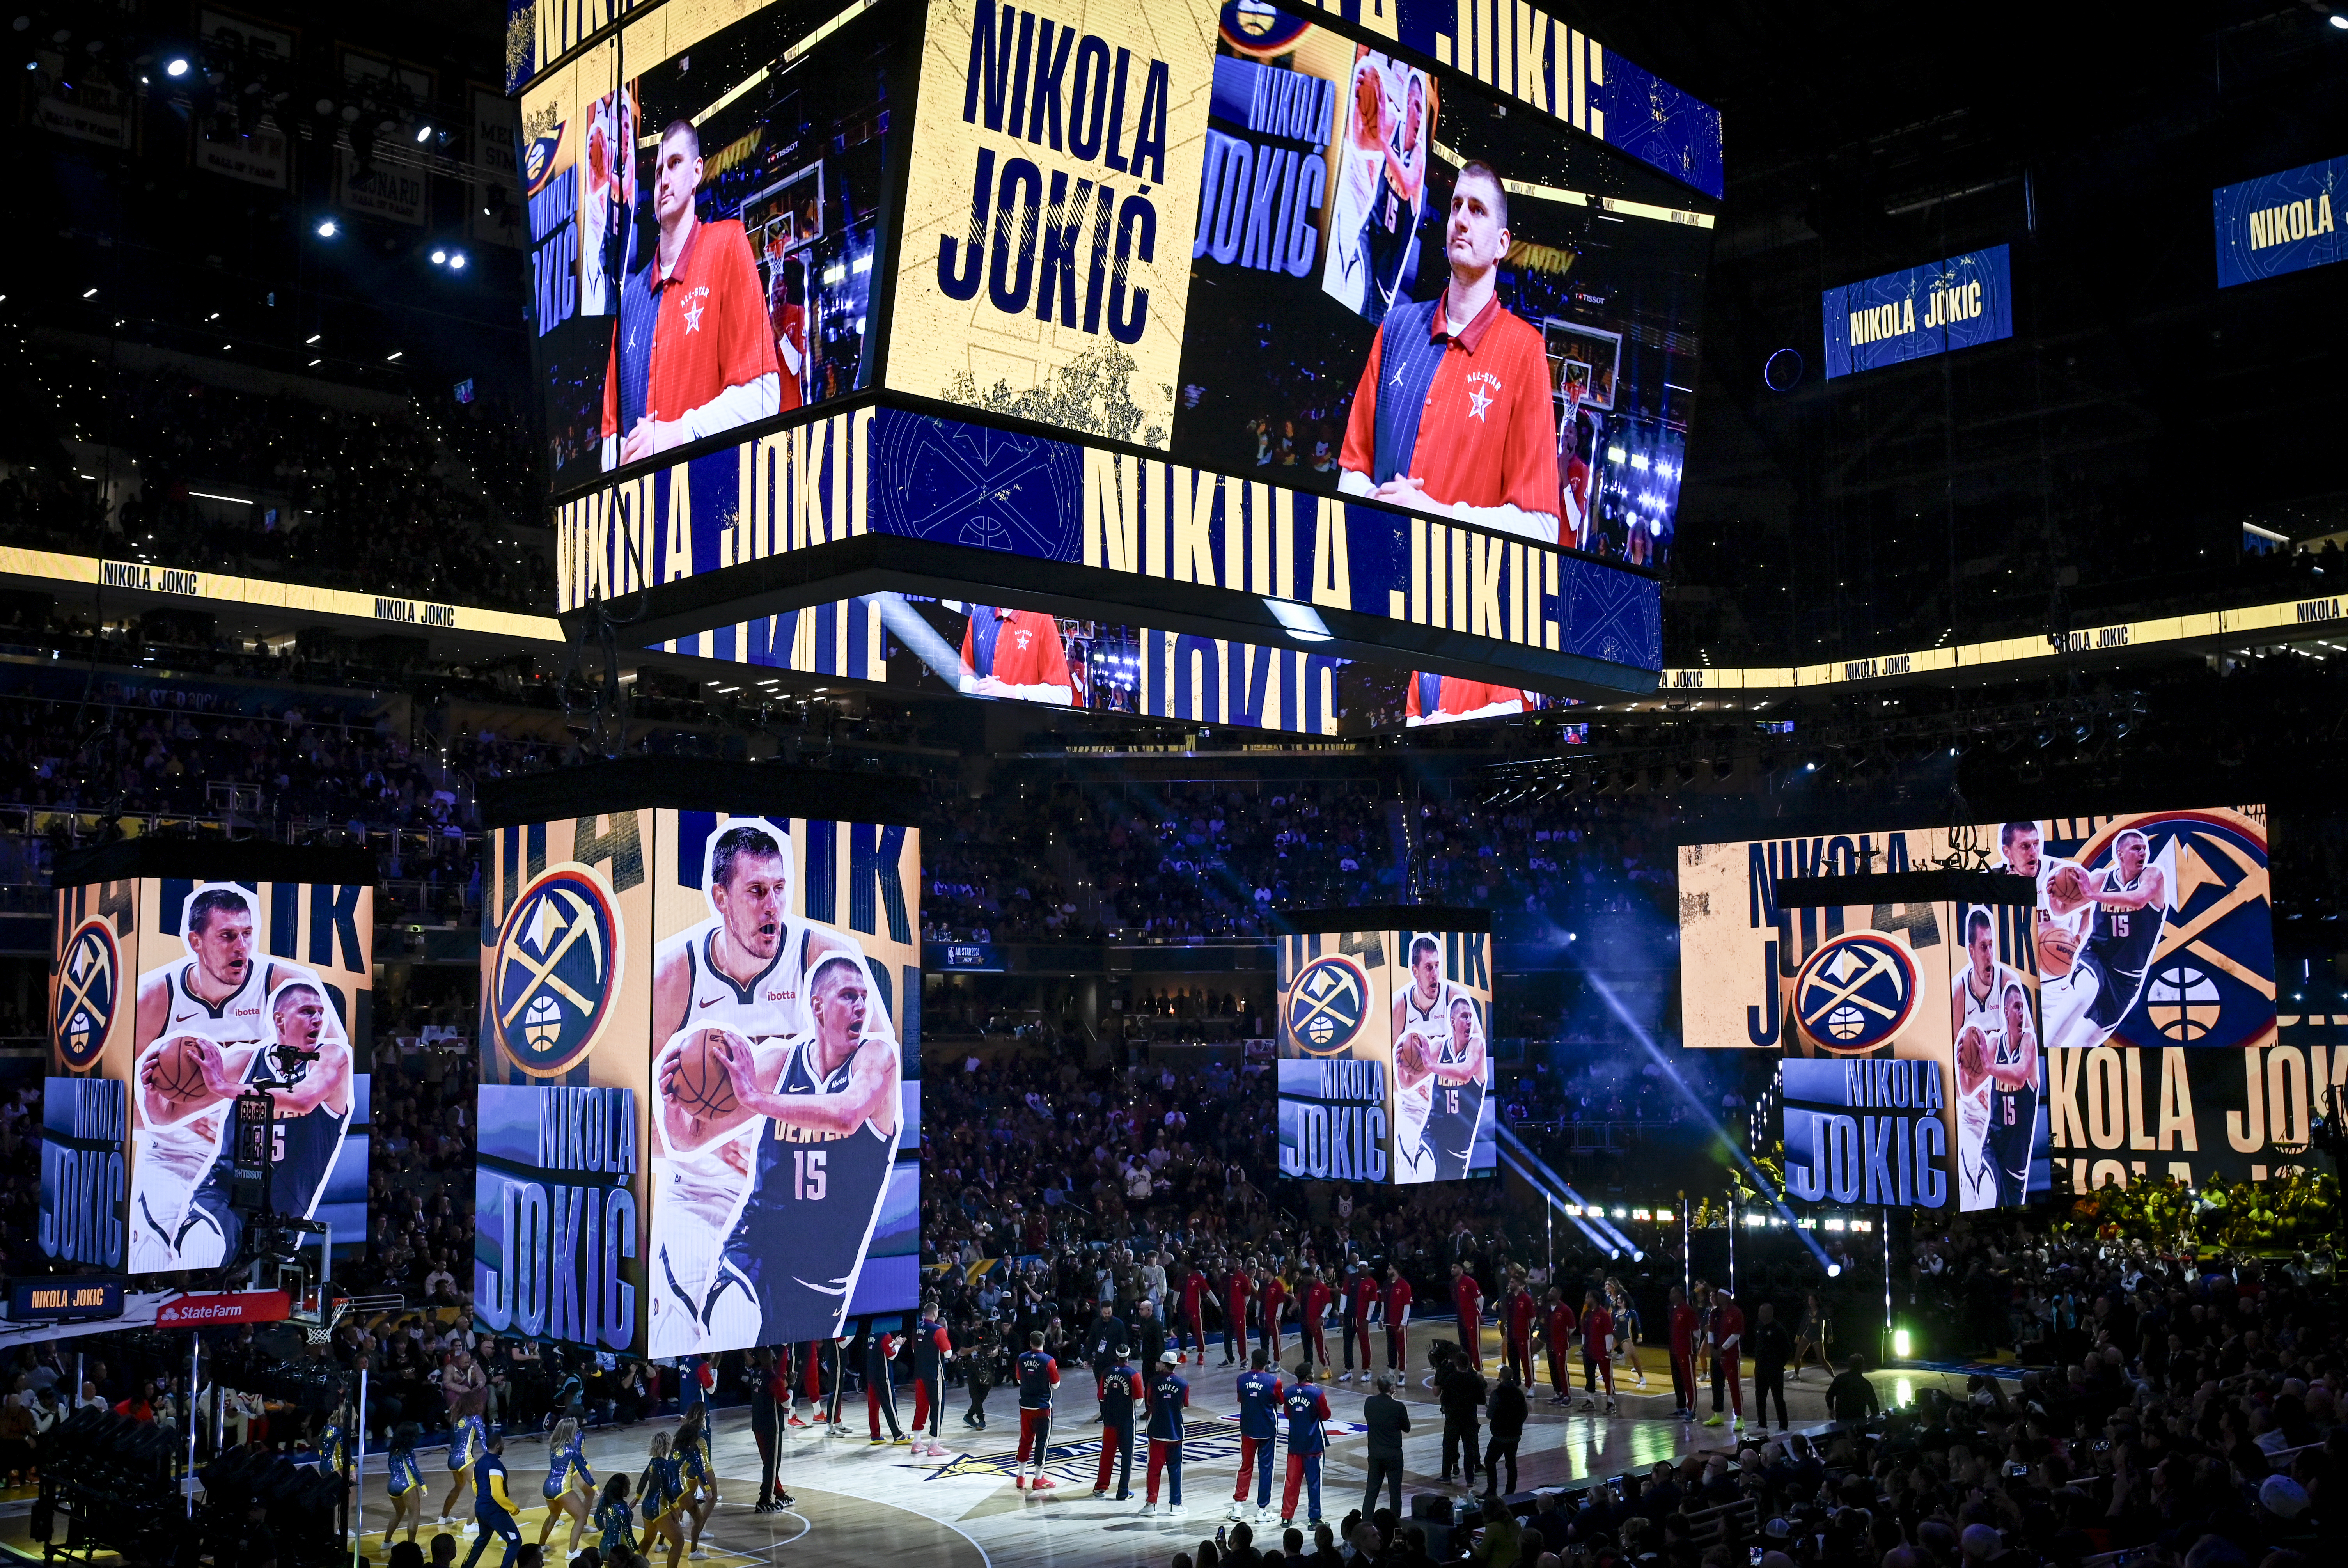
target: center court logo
<point>89,984</point>
<point>1855,993</point>
<point>1328,1005</point>
<point>557,960</point>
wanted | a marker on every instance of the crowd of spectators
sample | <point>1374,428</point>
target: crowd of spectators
<point>366,499</point>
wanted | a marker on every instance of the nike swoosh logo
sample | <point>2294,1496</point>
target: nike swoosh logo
<point>181,1017</point>
<point>710,1001</point>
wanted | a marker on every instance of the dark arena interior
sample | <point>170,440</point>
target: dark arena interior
<point>735,829</point>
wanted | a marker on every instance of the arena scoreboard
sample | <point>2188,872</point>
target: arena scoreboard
<point>1385,1066</point>
<point>182,977</point>
<point>834,304</point>
<point>700,1054</point>
<point>2117,1026</point>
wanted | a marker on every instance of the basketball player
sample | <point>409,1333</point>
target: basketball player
<point>1573,477</point>
<point>1414,1102</point>
<point>1393,222</point>
<point>219,1009</point>
<point>1450,699</point>
<point>1977,1012</point>
<point>2131,901</point>
<point>787,314</point>
<point>1361,172</point>
<point>1453,414</point>
<point>824,1110</point>
<point>2064,990</point>
<point>2014,1105</point>
<point>745,970</point>
<point>1016,653</point>
<point>695,352</point>
<point>1458,1093</point>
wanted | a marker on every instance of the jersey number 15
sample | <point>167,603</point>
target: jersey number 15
<point>806,1175</point>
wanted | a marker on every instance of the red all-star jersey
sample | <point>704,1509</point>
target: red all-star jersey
<point>1018,647</point>
<point>710,329</point>
<point>1471,416</point>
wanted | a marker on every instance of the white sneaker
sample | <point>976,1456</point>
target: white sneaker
<point>1175,1511</point>
<point>1267,1514</point>
<point>1235,1512</point>
<point>697,1553</point>
<point>1148,1509</point>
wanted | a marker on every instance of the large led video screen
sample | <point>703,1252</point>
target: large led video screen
<point>1385,1073</point>
<point>708,206</point>
<point>168,998</point>
<point>700,1096</point>
<point>1395,287</point>
<point>2120,1026</point>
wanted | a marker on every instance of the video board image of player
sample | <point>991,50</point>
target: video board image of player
<point>210,1025</point>
<point>728,203</point>
<point>2001,1133</point>
<point>778,1103</point>
<point>1441,1070</point>
<point>1552,293</point>
<point>1379,178</point>
<point>2102,918</point>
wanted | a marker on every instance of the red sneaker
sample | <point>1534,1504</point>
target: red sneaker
<point>1019,1482</point>
<point>1044,1483</point>
<point>796,1422</point>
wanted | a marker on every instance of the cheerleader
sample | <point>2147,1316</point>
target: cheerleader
<point>1626,1326</point>
<point>663,1486</point>
<point>569,1484</point>
<point>615,1518</point>
<point>699,1470</point>
<point>468,1441</point>
<point>406,1481</point>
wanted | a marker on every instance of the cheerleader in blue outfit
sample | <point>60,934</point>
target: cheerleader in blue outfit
<point>700,1474</point>
<point>569,1484</point>
<point>615,1517</point>
<point>409,1490</point>
<point>663,1488</point>
<point>468,1441</point>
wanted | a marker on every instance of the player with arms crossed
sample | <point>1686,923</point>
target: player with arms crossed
<point>2131,902</point>
<point>211,1020</point>
<point>2065,989</point>
<point>825,1106</point>
<point>1977,1018</point>
<point>741,973</point>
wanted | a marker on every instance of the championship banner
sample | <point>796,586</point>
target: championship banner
<point>1919,312</point>
<point>396,195</point>
<point>2280,223</point>
<point>1383,1069</point>
<point>663,990</point>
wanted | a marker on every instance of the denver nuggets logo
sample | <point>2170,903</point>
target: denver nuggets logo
<point>557,962</point>
<point>538,158</point>
<point>89,983</point>
<point>1326,1006</point>
<point>2183,1004</point>
<point>2210,975</point>
<point>1854,994</point>
<point>1259,28</point>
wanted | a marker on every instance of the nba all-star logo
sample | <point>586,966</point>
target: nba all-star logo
<point>1326,1006</point>
<point>1855,993</point>
<point>557,964</point>
<point>89,984</point>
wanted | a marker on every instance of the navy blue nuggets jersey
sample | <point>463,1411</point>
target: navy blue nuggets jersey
<point>1451,1123</point>
<point>1121,1388</point>
<point>2123,938</point>
<point>808,1216</point>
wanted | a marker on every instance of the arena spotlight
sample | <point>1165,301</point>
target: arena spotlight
<point>1833,1271</point>
<point>177,68</point>
<point>2339,20</point>
<point>439,258</point>
<point>327,229</point>
<point>424,132</point>
<point>456,261</point>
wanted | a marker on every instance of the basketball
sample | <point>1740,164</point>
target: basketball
<point>1369,99</point>
<point>1410,1055</point>
<point>2058,947</point>
<point>178,1072</point>
<point>2068,886</point>
<point>1972,1051</point>
<point>699,1083</point>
